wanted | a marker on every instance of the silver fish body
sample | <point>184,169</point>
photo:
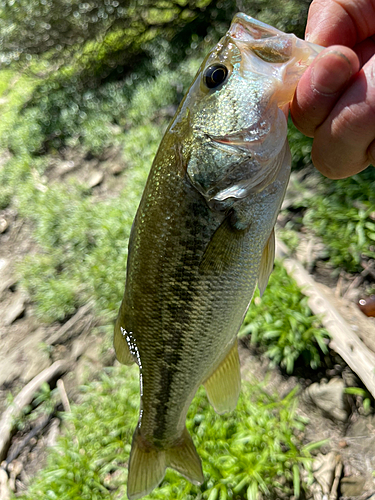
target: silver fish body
<point>203,239</point>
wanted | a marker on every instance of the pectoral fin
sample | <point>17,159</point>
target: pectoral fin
<point>224,385</point>
<point>266,263</point>
<point>122,350</point>
<point>224,249</point>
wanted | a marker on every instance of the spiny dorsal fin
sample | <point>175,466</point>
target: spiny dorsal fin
<point>122,350</point>
<point>224,385</point>
<point>266,263</point>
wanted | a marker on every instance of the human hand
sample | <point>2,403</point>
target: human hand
<point>335,98</point>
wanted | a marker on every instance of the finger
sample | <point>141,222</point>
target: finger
<point>344,22</point>
<point>371,153</point>
<point>365,50</point>
<point>321,86</point>
<point>344,143</point>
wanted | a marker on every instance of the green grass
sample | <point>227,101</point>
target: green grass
<point>282,324</point>
<point>343,215</point>
<point>340,212</point>
<point>257,448</point>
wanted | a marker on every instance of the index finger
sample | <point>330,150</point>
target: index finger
<point>341,22</point>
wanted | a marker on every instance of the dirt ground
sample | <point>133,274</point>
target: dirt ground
<point>343,467</point>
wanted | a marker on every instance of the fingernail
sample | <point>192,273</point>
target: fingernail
<point>331,72</point>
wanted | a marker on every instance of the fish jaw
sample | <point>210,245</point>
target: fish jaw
<point>283,56</point>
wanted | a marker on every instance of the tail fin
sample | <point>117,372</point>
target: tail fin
<point>146,467</point>
<point>184,459</point>
<point>147,464</point>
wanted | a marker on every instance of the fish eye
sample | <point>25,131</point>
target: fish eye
<point>215,75</point>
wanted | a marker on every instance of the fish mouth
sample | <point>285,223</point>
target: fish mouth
<point>246,28</point>
<point>268,43</point>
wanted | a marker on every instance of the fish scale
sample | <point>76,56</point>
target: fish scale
<point>202,239</point>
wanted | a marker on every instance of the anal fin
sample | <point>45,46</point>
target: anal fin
<point>224,385</point>
<point>122,350</point>
<point>266,263</point>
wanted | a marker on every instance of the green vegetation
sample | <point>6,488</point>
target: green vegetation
<point>340,212</point>
<point>282,324</point>
<point>89,89</point>
<point>256,448</point>
<point>343,215</point>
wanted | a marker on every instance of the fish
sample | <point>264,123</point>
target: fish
<point>203,239</point>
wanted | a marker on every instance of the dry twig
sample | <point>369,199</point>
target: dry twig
<point>23,399</point>
<point>63,395</point>
<point>4,485</point>
<point>336,481</point>
<point>62,333</point>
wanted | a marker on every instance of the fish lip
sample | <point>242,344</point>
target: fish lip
<point>245,28</point>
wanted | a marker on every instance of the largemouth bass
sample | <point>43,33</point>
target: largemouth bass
<point>203,238</point>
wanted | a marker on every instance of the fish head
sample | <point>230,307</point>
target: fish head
<point>234,108</point>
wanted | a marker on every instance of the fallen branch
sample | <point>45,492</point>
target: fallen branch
<point>62,333</point>
<point>336,481</point>
<point>14,453</point>
<point>368,268</point>
<point>343,340</point>
<point>23,399</point>
<point>63,395</point>
<point>53,433</point>
<point>4,486</point>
